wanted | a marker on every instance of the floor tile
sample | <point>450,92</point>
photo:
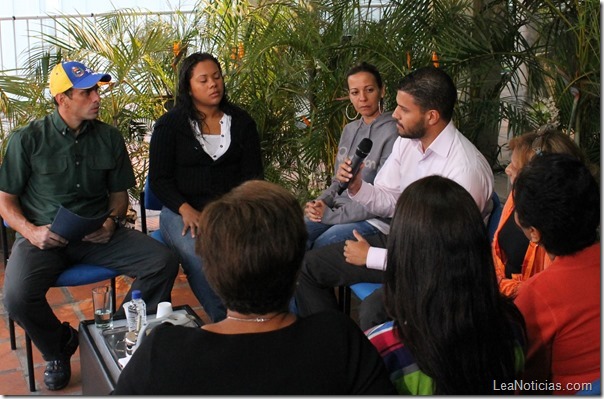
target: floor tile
<point>14,383</point>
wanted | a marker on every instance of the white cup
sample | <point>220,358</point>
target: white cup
<point>163,309</point>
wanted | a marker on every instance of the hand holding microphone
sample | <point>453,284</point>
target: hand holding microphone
<point>361,153</point>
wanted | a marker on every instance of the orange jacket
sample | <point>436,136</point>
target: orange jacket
<point>535,259</point>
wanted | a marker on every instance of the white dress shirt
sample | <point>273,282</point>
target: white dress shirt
<point>450,155</point>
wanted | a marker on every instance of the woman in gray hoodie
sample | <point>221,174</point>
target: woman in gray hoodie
<point>332,217</point>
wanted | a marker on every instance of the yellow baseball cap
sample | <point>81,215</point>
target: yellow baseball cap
<point>74,74</point>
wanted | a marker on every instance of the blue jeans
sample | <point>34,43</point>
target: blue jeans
<point>171,226</point>
<point>320,234</point>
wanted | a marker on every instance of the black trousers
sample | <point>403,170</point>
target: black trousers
<point>325,268</point>
<point>30,272</point>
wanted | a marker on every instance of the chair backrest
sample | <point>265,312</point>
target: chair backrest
<point>5,248</point>
<point>148,200</point>
<point>151,201</point>
<point>495,216</point>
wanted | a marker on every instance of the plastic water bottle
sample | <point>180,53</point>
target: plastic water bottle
<point>136,312</point>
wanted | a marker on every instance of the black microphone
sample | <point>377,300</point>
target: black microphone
<point>360,154</point>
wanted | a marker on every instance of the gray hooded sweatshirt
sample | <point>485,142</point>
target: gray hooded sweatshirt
<point>382,132</point>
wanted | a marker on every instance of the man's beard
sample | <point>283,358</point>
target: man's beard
<point>417,131</point>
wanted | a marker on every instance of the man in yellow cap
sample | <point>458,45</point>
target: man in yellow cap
<point>71,159</point>
<point>72,74</point>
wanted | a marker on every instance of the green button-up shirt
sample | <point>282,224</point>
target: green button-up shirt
<point>47,166</point>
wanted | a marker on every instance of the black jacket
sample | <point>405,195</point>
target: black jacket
<point>181,171</point>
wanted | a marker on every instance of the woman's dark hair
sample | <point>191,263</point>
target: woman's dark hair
<point>252,241</point>
<point>558,195</point>
<point>183,97</point>
<point>441,290</point>
<point>369,68</point>
<point>431,88</point>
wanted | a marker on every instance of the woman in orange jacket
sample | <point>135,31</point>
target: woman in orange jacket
<point>516,259</point>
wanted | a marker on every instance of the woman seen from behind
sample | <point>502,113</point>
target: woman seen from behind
<point>452,331</point>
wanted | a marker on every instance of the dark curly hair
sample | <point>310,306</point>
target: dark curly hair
<point>557,195</point>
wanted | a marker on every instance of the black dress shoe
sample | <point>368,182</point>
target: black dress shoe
<point>58,371</point>
<point>57,374</point>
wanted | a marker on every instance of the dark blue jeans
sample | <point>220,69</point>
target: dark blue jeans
<point>171,226</point>
<point>320,234</point>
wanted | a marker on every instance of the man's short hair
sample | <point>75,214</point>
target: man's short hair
<point>431,88</point>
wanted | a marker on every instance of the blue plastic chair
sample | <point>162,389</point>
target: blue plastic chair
<point>148,200</point>
<point>361,291</point>
<point>78,274</point>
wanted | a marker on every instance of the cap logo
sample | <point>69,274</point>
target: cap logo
<point>66,75</point>
<point>77,71</point>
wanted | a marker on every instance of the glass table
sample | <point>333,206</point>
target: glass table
<point>102,351</point>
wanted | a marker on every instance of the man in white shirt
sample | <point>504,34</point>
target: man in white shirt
<point>429,144</point>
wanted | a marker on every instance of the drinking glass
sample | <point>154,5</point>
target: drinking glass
<point>101,302</point>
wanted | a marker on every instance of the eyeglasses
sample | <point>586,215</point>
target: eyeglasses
<point>537,145</point>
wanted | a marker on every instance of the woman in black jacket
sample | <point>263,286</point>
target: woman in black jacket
<point>201,149</point>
